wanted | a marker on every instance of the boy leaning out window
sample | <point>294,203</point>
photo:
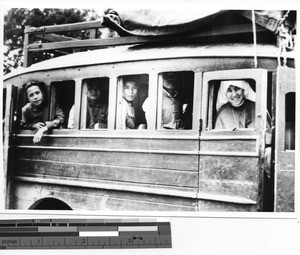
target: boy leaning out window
<point>34,111</point>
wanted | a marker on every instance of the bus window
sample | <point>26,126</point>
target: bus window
<point>62,95</point>
<point>94,108</point>
<point>176,100</point>
<point>290,121</point>
<point>133,90</point>
<point>231,104</point>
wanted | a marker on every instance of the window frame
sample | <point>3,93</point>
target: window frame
<point>260,76</point>
<point>159,96</point>
<point>291,144</point>
<point>212,101</point>
<point>119,99</point>
<point>83,103</point>
<point>52,97</point>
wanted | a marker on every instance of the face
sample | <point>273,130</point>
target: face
<point>169,80</point>
<point>235,95</point>
<point>93,92</point>
<point>35,95</point>
<point>115,18</point>
<point>130,90</point>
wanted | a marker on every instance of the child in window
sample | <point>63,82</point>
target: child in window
<point>129,93</point>
<point>33,113</point>
<point>97,106</point>
<point>130,117</point>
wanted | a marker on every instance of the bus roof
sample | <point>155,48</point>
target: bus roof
<point>140,53</point>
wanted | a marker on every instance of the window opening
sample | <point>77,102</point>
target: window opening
<point>62,99</point>
<point>176,100</point>
<point>290,121</point>
<point>133,91</point>
<point>94,112</point>
<point>231,104</point>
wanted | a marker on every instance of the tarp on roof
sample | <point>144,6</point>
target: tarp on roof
<point>150,22</point>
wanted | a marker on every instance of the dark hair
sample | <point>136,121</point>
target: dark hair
<point>101,84</point>
<point>41,85</point>
<point>94,81</point>
<point>110,11</point>
<point>131,78</point>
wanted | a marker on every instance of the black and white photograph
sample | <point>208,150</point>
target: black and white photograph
<point>148,111</point>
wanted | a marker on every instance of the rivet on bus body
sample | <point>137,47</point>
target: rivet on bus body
<point>78,69</point>
<point>258,116</point>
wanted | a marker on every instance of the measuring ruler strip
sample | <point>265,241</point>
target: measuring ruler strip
<point>84,234</point>
<point>136,241</point>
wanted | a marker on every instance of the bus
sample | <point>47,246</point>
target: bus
<point>190,167</point>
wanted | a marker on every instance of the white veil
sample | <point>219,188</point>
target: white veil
<point>224,85</point>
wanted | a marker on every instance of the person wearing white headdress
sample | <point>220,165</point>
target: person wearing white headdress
<point>236,109</point>
<point>235,105</point>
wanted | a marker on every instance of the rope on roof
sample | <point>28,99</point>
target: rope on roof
<point>254,38</point>
<point>285,41</point>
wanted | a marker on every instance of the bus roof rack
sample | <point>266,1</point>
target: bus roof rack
<point>64,39</point>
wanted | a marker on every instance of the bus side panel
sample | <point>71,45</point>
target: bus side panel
<point>219,206</point>
<point>26,193</point>
<point>140,167</point>
<point>285,191</point>
<point>285,153</point>
<point>94,172</point>
<point>158,160</point>
<point>107,142</point>
<point>229,175</point>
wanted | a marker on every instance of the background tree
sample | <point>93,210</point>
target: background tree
<point>17,18</point>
